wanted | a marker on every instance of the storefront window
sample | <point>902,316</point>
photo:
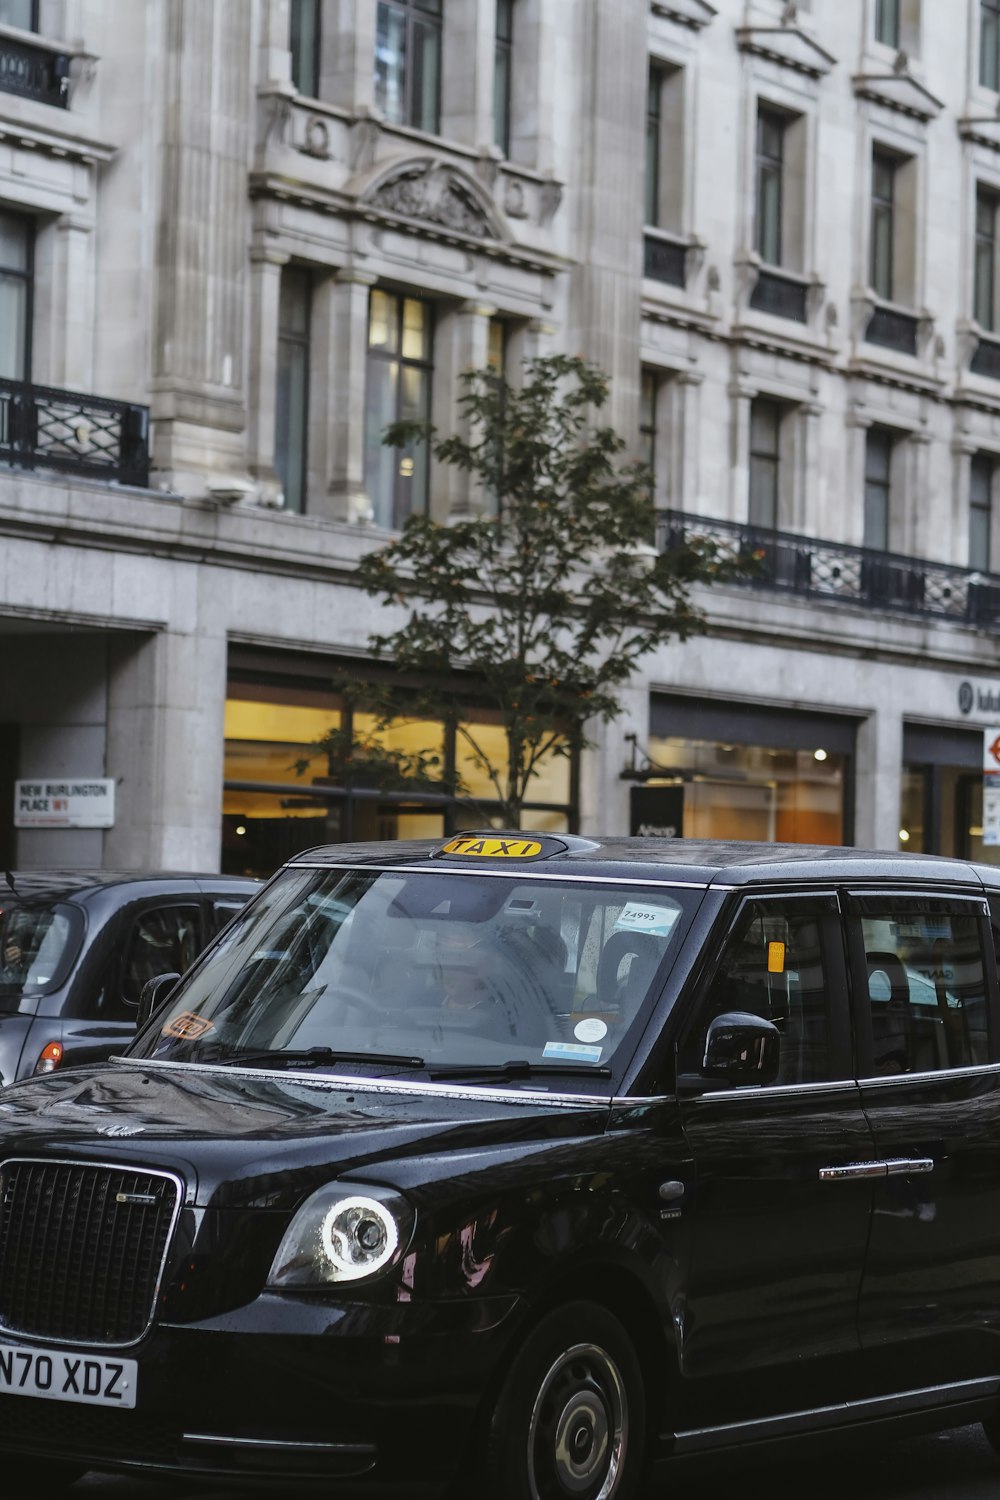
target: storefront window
<point>755,792</point>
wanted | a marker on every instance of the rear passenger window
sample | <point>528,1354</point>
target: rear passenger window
<point>926,990</point>
<point>773,967</point>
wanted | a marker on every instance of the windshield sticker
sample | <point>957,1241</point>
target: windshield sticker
<point>572,1052</point>
<point>637,916</point>
<point>188,1026</point>
<point>590,1029</point>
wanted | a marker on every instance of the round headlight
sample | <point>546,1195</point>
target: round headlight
<point>342,1233</point>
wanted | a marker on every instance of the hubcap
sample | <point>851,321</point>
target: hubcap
<point>579,1428</point>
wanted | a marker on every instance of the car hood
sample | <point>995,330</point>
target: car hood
<point>239,1138</point>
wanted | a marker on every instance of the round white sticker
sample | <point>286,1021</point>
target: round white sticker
<point>591,1030</point>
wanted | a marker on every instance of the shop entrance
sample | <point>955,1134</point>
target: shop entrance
<point>942,799</point>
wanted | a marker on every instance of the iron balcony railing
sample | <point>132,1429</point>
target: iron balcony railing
<point>665,259</point>
<point>77,434</point>
<point>780,295</point>
<point>893,329</point>
<point>838,574</point>
<point>35,72</point>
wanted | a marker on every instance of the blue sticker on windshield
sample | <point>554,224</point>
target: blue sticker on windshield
<point>572,1052</point>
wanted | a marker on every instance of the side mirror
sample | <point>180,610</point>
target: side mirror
<point>151,994</point>
<point>742,1048</point>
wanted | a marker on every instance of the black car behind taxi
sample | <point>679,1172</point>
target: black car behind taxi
<point>524,1165</point>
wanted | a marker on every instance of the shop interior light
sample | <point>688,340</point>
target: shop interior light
<point>904,835</point>
<point>819,755</point>
<point>241,829</point>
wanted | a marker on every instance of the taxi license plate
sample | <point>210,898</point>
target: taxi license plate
<point>67,1377</point>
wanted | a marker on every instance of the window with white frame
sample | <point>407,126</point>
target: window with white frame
<point>21,13</point>
<point>984,270</point>
<point>989,44</point>
<point>887,19</point>
<point>766,419</point>
<point>291,414</point>
<point>408,62</point>
<point>304,45</point>
<point>982,470</point>
<point>880,444</point>
<point>649,390</point>
<point>882,249</point>
<point>503,60</point>
<point>16,287</point>
<point>769,177</point>
<point>400,365</point>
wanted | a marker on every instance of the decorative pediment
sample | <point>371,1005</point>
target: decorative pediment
<point>694,13</point>
<point>984,131</point>
<point>788,45</point>
<point>432,192</point>
<point>899,90</point>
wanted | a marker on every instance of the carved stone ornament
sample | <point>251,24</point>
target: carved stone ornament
<point>436,194</point>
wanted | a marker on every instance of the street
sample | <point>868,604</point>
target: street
<point>956,1465</point>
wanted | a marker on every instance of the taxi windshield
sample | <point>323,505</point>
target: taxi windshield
<point>443,972</point>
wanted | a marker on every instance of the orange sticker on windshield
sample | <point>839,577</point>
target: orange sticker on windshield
<point>776,958</point>
<point>188,1026</point>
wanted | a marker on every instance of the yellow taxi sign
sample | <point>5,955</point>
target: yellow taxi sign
<point>776,958</point>
<point>476,846</point>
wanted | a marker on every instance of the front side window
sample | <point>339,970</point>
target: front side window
<point>887,22</point>
<point>16,283</point>
<point>765,463</point>
<point>304,43</point>
<point>981,510</point>
<point>39,943</point>
<point>770,186</point>
<point>883,226</point>
<point>292,404</point>
<point>774,967</point>
<point>924,987</point>
<point>984,306</point>
<point>408,62</point>
<point>163,940</point>
<point>427,972</point>
<point>878,484</point>
<point>503,57</point>
<point>400,343</point>
<point>989,44</point>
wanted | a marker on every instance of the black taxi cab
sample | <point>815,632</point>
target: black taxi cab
<point>520,1165</point>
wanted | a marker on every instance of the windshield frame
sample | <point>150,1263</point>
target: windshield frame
<point>544,1080</point>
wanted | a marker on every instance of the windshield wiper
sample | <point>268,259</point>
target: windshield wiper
<point>518,1067</point>
<point>317,1056</point>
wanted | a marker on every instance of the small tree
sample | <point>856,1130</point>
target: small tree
<point>548,602</point>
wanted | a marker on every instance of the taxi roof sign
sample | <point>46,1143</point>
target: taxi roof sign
<point>499,846</point>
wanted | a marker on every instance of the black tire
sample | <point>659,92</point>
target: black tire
<point>570,1422</point>
<point>991,1427</point>
<point>25,1476</point>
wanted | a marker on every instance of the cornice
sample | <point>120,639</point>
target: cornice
<point>899,90</point>
<point>694,13</point>
<point>789,46</point>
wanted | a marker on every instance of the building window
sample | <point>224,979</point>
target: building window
<point>304,42</point>
<point>883,225</point>
<point>980,510</point>
<point>21,13</point>
<point>400,342</point>
<point>770,186</point>
<point>984,305</point>
<point>502,73</point>
<point>878,487</point>
<point>765,463</point>
<point>654,124</point>
<point>408,63</point>
<point>292,404</point>
<point>16,285</point>
<point>648,393</point>
<point>496,347</point>
<point>989,44</point>
<point>887,22</point>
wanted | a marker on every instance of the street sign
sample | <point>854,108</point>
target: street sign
<point>69,803</point>
<point>991,752</point>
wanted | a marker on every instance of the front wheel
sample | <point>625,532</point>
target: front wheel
<point>570,1423</point>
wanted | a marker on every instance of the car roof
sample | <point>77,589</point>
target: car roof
<point>52,885</point>
<point>684,861</point>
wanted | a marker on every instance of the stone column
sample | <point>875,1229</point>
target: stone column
<point>739,453</point>
<point>198,388</point>
<point>347,56</point>
<point>71,358</point>
<point>462,344</point>
<point>878,781</point>
<point>849,518</point>
<point>469,39</point>
<point>685,474</point>
<point>337,397</point>
<point>535,79</point>
<point>274,56</point>
<point>265,297</point>
<point>166,716</point>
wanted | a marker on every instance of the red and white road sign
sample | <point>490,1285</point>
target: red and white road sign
<point>991,752</point>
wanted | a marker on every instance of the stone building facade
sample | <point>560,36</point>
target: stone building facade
<point>237,236</point>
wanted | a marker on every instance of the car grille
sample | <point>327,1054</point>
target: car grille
<point>82,1249</point>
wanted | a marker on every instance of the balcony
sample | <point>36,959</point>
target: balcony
<point>89,436</point>
<point>986,359</point>
<point>34,71</point>
<point>837,574</point>
<point>892,328</point>
<point>665,258</point>
<point>781,295</point>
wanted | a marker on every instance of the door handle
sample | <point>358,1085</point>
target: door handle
<point>897,1166</point>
